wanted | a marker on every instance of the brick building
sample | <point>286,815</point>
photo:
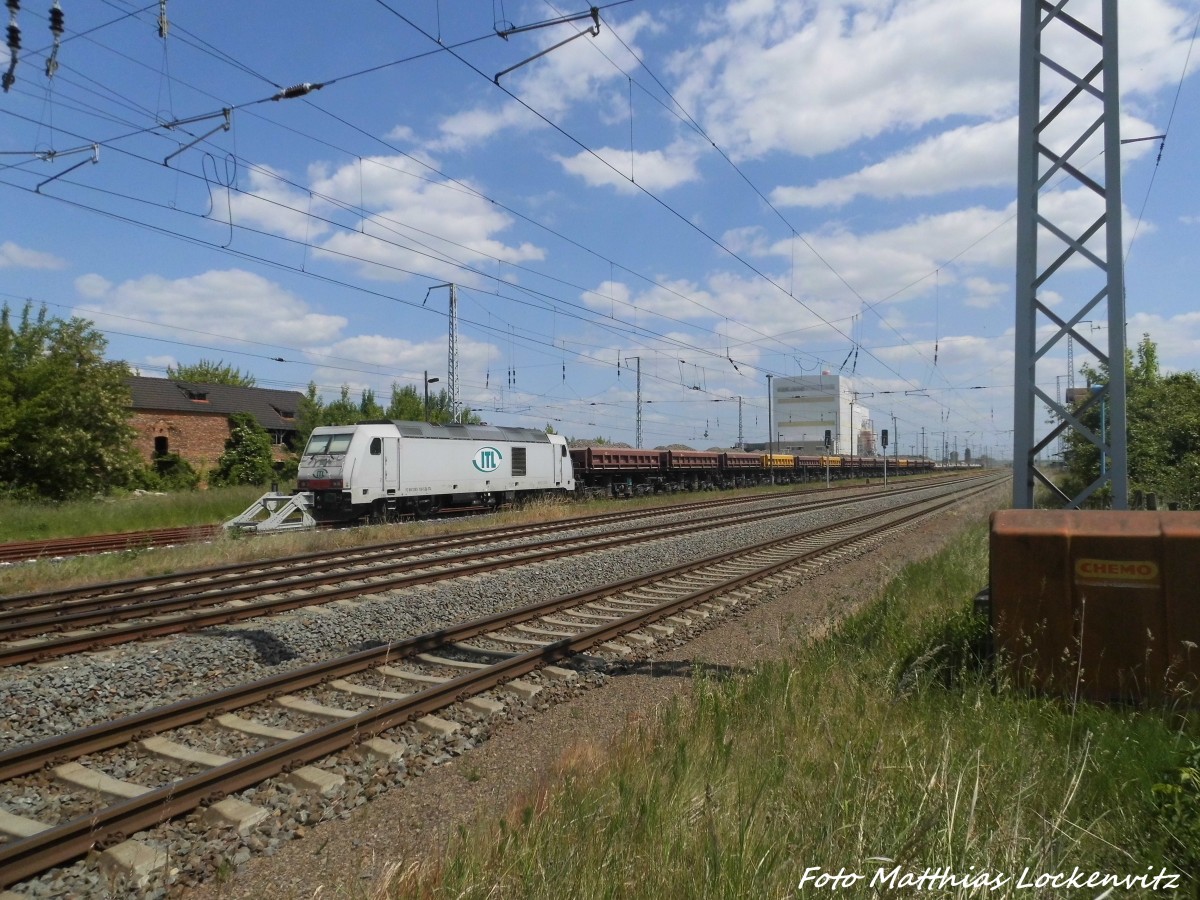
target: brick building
<point>192,419</point>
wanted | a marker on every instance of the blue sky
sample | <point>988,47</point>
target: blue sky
<point>719,191</point>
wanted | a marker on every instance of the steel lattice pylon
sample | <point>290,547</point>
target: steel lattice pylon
<point>1068,235</point>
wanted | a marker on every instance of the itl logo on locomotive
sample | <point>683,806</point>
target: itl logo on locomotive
<point>487,459</point>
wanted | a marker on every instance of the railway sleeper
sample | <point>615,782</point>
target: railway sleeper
<point>20,826</point>
<point>531,629</point>
<point>519,688</point>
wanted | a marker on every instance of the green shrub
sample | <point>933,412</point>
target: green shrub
<point>171,472</point>
<point>247,457</point>
<point>1177,812</point>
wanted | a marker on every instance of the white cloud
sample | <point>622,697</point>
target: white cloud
<point>954,353</point>
<point>393,218</point>
<point>14,256</point>
<point>653,170</point>
<point>810,78</point>
<point>231,302</point>
<point>161,362</point>
<point>404,362</point>
<point>968,157</point>
<point>579,72</point>
<point>984,294</point>
<point>268,200</point>
<point>401,133</point>
<point>474,126</point>
<point>416,224</point>
<point>1177,337</point>
<point>92,286</point>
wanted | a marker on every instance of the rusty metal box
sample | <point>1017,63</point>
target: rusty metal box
<point>1103,605</point>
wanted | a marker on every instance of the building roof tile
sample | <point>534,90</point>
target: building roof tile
<point>273,410</point>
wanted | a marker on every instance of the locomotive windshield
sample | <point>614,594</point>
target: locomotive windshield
<point>326,444</point>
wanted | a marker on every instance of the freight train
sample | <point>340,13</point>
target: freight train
<point>623,472</point>
<point>390,470</point>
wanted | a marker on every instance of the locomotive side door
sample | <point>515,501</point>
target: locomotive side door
<point>391,466</point>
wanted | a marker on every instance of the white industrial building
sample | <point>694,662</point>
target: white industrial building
<point>804,407</point>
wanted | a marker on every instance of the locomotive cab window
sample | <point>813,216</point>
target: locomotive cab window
<point>376,446</point>
<point>326,444</point>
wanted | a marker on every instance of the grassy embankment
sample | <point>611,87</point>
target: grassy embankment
<point>23,521</point>
<point>132,512</point>
<point>26,521</point>
<point>885,745</point>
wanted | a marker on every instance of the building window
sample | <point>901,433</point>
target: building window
<point>198,396</point>
<point>160,445</point>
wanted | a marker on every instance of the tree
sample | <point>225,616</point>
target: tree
<point>406,404</point>
<point>308,416</point>
<point>1163,423</point>
<point>368,408</point>
<point>589,442</point>
<point>441,411</point>
<point>64,409</point>
<point>314,412</point>
<point>208,372</point>
<point>247,458</point>
<point>342,411</point>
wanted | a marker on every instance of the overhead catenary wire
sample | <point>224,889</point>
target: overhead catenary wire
<point>1163,139</point>
<point>360,205</point>
<point>650,194</point>
<point>249,103</point>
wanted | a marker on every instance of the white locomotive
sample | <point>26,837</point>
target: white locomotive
<point>387,470</point>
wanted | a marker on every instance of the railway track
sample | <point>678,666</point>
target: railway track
<point>57,548</point>
<point>115,779</point>
<point>41,626</point>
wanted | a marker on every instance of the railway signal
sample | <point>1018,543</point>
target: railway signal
<point>884,442</point>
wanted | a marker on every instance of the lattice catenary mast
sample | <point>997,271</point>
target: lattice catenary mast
<point>1055,147</point>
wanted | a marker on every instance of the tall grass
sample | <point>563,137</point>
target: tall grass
<point>24,521</point>
<point>882,746</point>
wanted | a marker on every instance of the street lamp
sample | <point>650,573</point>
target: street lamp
<point>428,382</point>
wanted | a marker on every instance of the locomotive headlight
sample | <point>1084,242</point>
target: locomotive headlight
<point>302,484</point>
